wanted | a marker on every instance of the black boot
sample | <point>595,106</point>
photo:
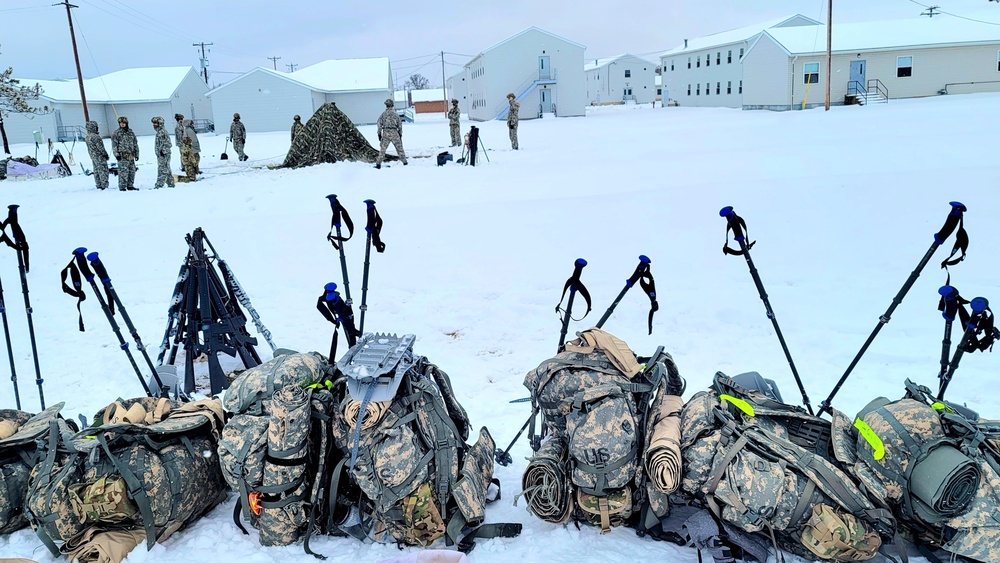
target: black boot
<point>378,165</point>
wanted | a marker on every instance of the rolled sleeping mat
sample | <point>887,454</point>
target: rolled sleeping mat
<point>943,484</point>
<point>285,488</point>
<point>546,485</point>
<point>664,462</point>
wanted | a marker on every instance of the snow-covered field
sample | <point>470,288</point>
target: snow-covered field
<point>843,205</point>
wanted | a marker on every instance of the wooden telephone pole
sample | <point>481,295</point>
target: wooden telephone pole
<point>76,57</point>
<point>829,54</point>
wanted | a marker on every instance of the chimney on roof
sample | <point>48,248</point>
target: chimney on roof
<point>685,43</point>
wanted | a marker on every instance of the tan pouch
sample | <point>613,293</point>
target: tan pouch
<point>836,536</point>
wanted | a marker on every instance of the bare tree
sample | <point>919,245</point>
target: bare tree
<point>14,99</point>
<point>417,82</point>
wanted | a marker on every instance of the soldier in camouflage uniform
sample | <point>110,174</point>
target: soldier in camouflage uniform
<point>162,148</point>
<point>98,155</point>
<point>179,132</point>
<point>453,116</point>
<point>297,127</point>
<point>512,117</point>
<point>238,135</point>
<point>188,162</point>
<point>195,157</point>
<point>125,147</point>
<point>390,130</point>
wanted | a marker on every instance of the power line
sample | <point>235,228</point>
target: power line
<point>291,67</point>
<point>939,11</point>
<point>204,60</point>
<point>275,61</point>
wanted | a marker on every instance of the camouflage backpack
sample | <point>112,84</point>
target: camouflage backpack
<point>274,446</point>
<point>935,465</point>
<point>405,470</point>
<point>148,463</point>
<point>18,455</point>
<point>595,399</point>
<point>765,467</point>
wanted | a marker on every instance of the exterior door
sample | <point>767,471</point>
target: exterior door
<point>858,72</point>
<point>546,100</point>
<point>543,68</point>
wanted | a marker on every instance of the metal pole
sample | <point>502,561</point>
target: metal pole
<point>10,349</point>
<point>829,57</point>
<point>76,58</point>
<point>444,85</point>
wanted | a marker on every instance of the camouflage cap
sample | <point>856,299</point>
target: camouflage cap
<point>178,116</point>
<point>123,119</point>
<point>236,116</point>
<point>389,103</point>
<point>297,118</point>
<point>454,101</point>
<point>511,96</point>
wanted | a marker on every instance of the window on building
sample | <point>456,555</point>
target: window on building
<point>697,89</point>
<point>628,73</point>
<point>689,89</point>
<point>741,87</point>
<point>718,88</point>
<point>741,53</point>
<point>810,73</point>
<point>729,87</point>
<point>904,67</point>
<point>697,62</point>
<point>689,62</point>
<point>718,58</point>
<point>708,59</point>
<point>671,65</point>
<point>708,88</point>
<point>659,91</point>
<point>998,61</point>
<point>729,57</point>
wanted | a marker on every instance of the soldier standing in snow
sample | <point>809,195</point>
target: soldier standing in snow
<point>453,116</point>
<point>512,117</point>
<point>188,161</point>
<point>179,133</point>
<point>195,158</point>
<point>98,155</point>
<point>125,147</point>
<point>162,148</point>
<point>297,127</point>
<point>390,130</point>
<point>238,135</point>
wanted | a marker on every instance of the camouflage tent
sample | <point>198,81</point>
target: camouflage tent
<point>330,136</point>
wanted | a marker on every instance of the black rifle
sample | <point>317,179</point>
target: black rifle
<point>237,291</point>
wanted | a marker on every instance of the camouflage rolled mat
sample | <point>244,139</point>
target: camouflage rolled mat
<point>545,485</point>
<point>664,461</point>
<point>283,516</point>
<point>95,546</point>
<point>373,413</point>
<point>976,533</point>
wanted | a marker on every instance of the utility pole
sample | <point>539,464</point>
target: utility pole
<point>829,53</point>
<point>291,67</point>
<point>275,61</point>
<point>444,85</point>
<point>76,57</point>
<point>930,11</point>
<point>204,61</point>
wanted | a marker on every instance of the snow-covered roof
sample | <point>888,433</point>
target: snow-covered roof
<point>399,96</point>
<point>600,63</point>
<point>345,75</point>
<point>895,34</point>
<point>516,35</point>
<point>133,85</point>
<point>430,95</point>
<point>737,35</point>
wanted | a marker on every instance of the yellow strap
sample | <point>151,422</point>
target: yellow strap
<point>744,406</point>
<point>939,406</point>
<point>871,437</point>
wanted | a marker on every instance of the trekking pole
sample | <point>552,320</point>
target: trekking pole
<point>503,456</point>
<point>338,312</point>
<point>980,322</point>
<point>79,255</point>
<point>645,279</point>
<point>102,273</point>
<point>951,303</point>
<point>482,146</point>
<point>739,227</point>
<point>241,296</point>
<point>955,219</point>
<point>374,230</point>
<point>20,245</point>
<point>338,213</point>
<point>10,349</point>
<point>573,284</point>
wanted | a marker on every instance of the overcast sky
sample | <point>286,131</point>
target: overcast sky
<point>118,34</point>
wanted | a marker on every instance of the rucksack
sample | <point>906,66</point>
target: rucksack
<point>766,468</point>
<point>405,471</point>
<point>18,455</point>
<point>936,466</point>
<point>146,463</point>
<point>595,400</point>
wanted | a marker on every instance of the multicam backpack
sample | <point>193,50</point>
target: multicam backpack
<point>148,463</point>
<point>595,399</point>
<point>935,465</point>
<point>18,455</point>
<point>401,436</point>
<point>765,467</point>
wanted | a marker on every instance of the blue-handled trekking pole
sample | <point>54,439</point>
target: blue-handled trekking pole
<point>10,349</point>
<point>951,305</point>
<point>102,273</point>
<point>374,230</point>
<point>79,256</point>
<point>340,213</point>
<point>338,312</point>
<point>955,219</point>
<point>981,322</point>
<point>739,227</point>
<point>573,284</point>
<point>20,245</point>
<point>645,279</point>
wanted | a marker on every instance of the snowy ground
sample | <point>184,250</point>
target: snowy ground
<point>843,205</point>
